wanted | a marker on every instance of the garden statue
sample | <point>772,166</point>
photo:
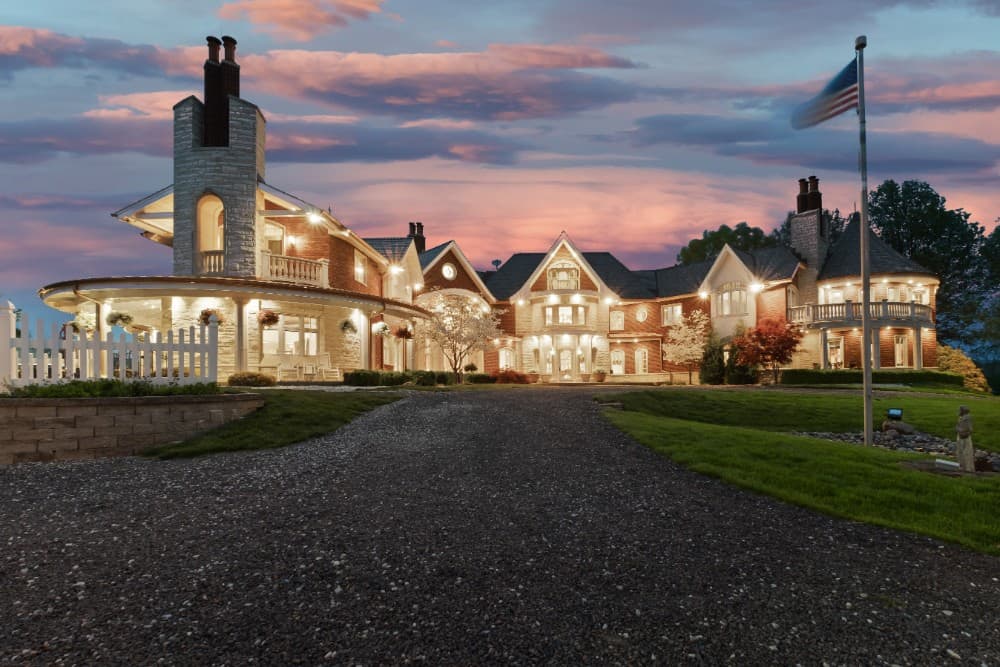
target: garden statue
<point>964,451</point>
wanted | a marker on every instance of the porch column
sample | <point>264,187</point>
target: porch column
<point>918,349</point>
<point>876,347</point>
<point>241,335</point>
<point>101,332</point>
<point>824,349</point>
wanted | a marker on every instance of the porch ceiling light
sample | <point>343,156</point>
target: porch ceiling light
<point>553,298</point>
<point>703,294</point>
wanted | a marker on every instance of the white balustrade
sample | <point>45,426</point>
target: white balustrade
<point>296,270</point>
<point>213,262</point>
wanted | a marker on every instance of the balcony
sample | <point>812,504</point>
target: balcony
<point>281,268</point>
<point>849,314</point>
<point>211,262</point>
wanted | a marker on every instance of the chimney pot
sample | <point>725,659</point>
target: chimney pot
<point>213,48</point>
<point>420,229</point>
<point>230,45</point>
<point>413,229</point>
<point>802,200</point>
<point>813,184</point>
<point>815,197</point>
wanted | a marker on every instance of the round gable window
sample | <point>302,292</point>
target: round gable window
<point>449,272</point>
<point>642,314</point>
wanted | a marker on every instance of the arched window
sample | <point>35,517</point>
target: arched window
<point>564,275</point>
<point>506,358</point>
<point>618,362</point>
<point>211,226</point>
<point>617,320</point>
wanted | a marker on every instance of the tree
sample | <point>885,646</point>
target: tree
<point>913,219</point>
<point>741,237</point>
<point>460,325</point>
<point>713,361</point>
<point>951,360</point>
<point>737,371</point>
<point>685,340</point>
<point>771,343</point>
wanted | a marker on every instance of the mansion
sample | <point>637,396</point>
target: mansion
<point>301,295</point>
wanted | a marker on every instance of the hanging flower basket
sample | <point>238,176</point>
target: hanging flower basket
<point>403,333</point>
<point>382,329</point>
<point>347,326</point>
<point>206,316</point>
<point>268,318</point>
<point>115,318</point>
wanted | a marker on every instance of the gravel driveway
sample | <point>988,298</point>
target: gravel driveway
<point>487,527</point>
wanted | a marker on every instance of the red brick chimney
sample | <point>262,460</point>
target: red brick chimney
<point>417,234</point>
<point>222,79</point>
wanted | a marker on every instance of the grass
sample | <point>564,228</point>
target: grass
<point>286,418</point>
<point>789,410</point>
<point>731,435</point>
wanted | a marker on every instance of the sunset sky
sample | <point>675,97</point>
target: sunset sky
<point>632,125</point>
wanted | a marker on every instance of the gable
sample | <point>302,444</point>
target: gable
<point>728,267</point>
<point>451,271</point>
<point>563,256</point>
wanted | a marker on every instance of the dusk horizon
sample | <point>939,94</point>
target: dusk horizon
<point>633,131</point>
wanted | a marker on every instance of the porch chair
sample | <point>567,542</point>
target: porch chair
<point>326,372</point>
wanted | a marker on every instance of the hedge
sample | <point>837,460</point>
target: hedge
<point>881,376</point>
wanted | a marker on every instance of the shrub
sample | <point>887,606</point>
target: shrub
<point>713,362</point>
<point>470,368</point>
<point>424,378</point>
<point>361,378</point>
<point>249,379</point>
<point>480,378</point>
<point>855,376</point>
<point>393,378</point>
<point>951,360</point>
<point>445,378</point>
<point>108,388</point>
<point>508,376</point>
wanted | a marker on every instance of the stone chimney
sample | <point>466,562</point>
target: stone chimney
<point>222,79</point>
<point>809,237</point>
<point>417,234</point>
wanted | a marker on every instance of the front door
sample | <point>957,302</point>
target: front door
<point>901,351</point>
<point>641,361</point>
<point>618,362</point>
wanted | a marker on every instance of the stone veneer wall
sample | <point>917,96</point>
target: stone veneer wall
<point>62,429</point>
<point>230,172</point>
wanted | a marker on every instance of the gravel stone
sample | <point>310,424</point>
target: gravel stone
<point>459,528</point>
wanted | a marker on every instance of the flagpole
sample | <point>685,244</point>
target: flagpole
<point>866,326</point>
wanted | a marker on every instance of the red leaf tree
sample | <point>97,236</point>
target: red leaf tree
<point>771,343</point>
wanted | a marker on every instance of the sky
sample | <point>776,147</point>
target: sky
<point>631,125</point>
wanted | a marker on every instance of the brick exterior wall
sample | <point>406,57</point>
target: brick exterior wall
<point>542,283</point>
<point>230,173</point>
<point>341,254</point>
<point>434,279</point>
<point>772,304</point>
<point>39,429</point>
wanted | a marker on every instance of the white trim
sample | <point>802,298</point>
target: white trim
<point>451,245</point>
<point>577,255</point>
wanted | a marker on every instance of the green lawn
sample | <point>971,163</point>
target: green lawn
<point>731,435</point>
<point>788,410</point>
<point>287,417</point>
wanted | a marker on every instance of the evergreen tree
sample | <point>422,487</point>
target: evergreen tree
<point>713,361</point>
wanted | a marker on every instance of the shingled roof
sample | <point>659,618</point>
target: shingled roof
<point>682,279</point>
<point>845,256</point>
<point>392,249</point>
<point>428,256</point>
<point>513,273</point>
<point>777,263</point>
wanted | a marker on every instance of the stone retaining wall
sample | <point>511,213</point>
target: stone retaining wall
<point>60,429</point>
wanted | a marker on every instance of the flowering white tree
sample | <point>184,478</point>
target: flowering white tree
<point>459,325</point>
<point>685,341</point>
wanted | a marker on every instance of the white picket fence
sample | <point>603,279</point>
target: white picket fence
<point>184,356</point>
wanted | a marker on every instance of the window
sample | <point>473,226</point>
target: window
<point>548,317</point>
<point>671,314</point>
<point>293,334</point>
<point>211,223</point>
<point>565,361</point>
<point>506,358</point>
<point>565,314</point>
<point>617,320</point>
<point>641,361</point>
<point>581,315</point>
<point>642,313</point>
<point>901,353</point>
<point>731,299</point>
<point>564,275</point>
<point>274,238</point>
<point>618,362</point>
<point>449,271</point>
<point>835,352</point>
<point>360,272</point>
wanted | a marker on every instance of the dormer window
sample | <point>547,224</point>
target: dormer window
<point>564,275</point>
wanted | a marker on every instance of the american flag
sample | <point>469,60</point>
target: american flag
<point>840,95</point>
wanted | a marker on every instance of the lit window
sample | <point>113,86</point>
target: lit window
<point>548,316</point>
<point>731,299</point>
<point>671,314</point>
<point>449,272</point>
<point>293,334</point>
<point>360,274</point>
<point>617,320</point>
<point>581,315</point>
<point>565,315</point>
<point>506,358</point>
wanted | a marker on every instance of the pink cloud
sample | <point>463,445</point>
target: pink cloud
<point>299,20</point>
<point>152,105</point>
<point>444,123</point>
